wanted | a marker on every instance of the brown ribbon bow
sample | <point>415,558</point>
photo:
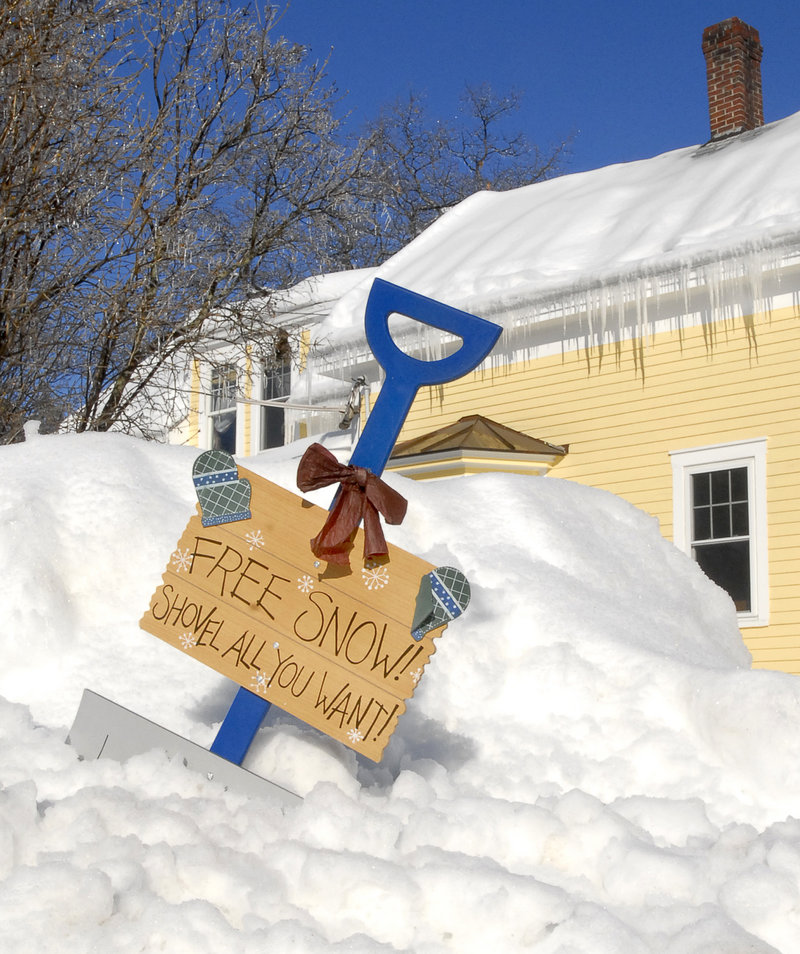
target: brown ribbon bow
<point>361,496</point>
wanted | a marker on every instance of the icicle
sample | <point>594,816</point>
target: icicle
<point>756,279</point>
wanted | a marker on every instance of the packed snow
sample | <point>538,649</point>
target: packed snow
<point>588,764</point>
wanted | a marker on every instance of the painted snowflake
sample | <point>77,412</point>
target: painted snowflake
<point>255,538</point>
<point>259,682</point>
<point>416,675</point>
<point>355,736</point>
<point>375,577</point>
<point>305,583</point>
<point>188,640</point>
<point>182,560</point>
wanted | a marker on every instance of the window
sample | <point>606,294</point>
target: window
<point>222,414</point>
<point>277,382</point>
<point>720,519</point>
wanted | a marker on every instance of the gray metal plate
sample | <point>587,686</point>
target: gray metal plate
<point>104,729</point>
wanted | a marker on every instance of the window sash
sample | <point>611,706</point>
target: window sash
<point>222,408</point>
<point>277,381</point>
<point>276,384</point>
<point>720,504</point>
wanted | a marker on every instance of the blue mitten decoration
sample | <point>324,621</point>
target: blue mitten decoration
<point>223,496</point>
<point>444,594</point>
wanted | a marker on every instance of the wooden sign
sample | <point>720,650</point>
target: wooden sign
<point>331,645</point>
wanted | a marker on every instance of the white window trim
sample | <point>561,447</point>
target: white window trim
<point>751,454</point>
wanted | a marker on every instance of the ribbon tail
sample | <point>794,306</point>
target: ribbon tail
<point>374,540</point>
<point>334,541</point>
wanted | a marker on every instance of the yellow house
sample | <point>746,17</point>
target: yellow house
<point>651,315</point>
<point>650,311</point>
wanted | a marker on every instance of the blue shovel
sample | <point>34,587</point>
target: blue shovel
<point>404,377</point>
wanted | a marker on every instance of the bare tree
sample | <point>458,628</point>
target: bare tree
<point>233,167</point>
<point>58,143</point>
<point>163,162</point>
<point>165,159</point>
<point>492,157</point>
<point>423,166</point>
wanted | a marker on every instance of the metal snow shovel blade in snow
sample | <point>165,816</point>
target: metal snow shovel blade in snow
<point>103,728</point>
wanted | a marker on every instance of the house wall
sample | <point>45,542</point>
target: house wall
<point>624,407</point>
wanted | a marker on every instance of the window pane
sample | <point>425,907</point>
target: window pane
<point>223,432</point>
<point>719,501</point>
<point>272,427</point>
<point>277,381</point>
<point>720,521</point>
<point>720,487</point>
<point>702,523</point>
<point>222,419</point>
<point>740,520</point>
<point>277,384</point>
<point>728,565</point>
<point>723,493</point>
<point>700,489</point>
<point>739,484</point>
<point>223,388</point>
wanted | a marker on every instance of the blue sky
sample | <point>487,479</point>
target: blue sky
<point>626,79</point>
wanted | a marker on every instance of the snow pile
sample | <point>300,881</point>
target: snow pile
<point>588,763</point>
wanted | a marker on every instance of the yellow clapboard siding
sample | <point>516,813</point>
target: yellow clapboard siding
<point>782,530</point>
<point>652,420</point>
<point>623,407</point>
<point>569,425</point>
<point>787,666</point>
<point>783,623</point>
<point>248,408</point>
<point>194,405</point>
<point>784,561</point>
<point>784,574</point>
<point>764,644</point>
<point>654,378</point>
<point>772,656</point>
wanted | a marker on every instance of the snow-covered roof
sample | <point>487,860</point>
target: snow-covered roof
<point>299,306</point>
<point>311,298</point>
<point>675,210</point>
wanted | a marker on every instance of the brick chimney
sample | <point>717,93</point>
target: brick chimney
<point>733,65</point>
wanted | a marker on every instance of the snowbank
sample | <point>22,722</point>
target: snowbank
<point>588,763</point>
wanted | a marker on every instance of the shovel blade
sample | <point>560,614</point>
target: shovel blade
<point>104,729</point>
